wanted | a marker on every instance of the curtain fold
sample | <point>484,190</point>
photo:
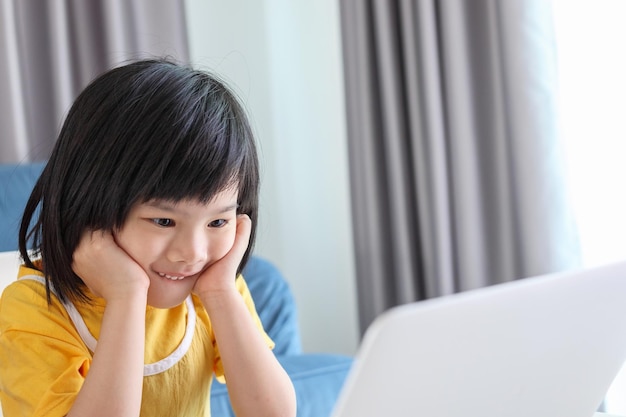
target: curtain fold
<point>51,49</point>
<point>455,162</point>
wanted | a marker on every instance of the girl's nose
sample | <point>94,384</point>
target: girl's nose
<point>189,248</point>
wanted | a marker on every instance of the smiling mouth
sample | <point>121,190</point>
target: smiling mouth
<point>172,277</point>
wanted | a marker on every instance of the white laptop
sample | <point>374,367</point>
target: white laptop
<point>547,346</point>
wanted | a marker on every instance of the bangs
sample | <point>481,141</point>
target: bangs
<point>190,173</point>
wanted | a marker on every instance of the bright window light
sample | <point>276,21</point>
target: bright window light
<point>592,73</point>
<point>592,76</point>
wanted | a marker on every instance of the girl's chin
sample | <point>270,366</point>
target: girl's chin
<point>165,293</point>
<point>167,300</point>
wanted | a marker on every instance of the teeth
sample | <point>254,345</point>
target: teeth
<point>173,278</point>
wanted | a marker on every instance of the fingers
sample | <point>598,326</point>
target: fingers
<point>90,245</point>
<point>242,237</point>
<point>105,268</point>
<point>219,276</point>
<point>240,244</point>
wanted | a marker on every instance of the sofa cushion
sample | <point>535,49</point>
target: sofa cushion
<point>16,184</point>
<point>275,304</point>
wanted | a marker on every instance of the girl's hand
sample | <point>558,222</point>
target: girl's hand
<point>220,276</point>
<point>106,268</point>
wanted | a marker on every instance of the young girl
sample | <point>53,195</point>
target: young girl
<point>143,218</point>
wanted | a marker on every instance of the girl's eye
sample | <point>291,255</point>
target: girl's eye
<point>163,222</point>
<point>218,223</point>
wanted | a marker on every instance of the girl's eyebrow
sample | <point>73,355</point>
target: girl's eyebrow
<point>161,205</point>
<point>228,208</point>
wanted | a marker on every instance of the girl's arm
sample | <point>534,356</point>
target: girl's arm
<point>113,385</point>
<point>257,384</point>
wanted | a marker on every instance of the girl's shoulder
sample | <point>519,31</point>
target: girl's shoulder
<point>28,293</point>
<point>24,308</point>
<point>25,294</point>
<point>37,343</point>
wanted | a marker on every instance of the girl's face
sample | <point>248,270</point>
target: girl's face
<point>175,242</point>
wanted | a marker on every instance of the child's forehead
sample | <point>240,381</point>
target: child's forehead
<point>189,195</point>
<point>224,200</point>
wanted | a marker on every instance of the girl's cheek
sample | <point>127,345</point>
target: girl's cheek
<point>222,247</point>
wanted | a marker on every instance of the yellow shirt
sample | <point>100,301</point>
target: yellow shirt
<point>46,351</point>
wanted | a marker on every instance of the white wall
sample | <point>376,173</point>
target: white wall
<point>284,59</point>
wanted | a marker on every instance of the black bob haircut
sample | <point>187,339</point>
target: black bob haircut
<point>151,129</point>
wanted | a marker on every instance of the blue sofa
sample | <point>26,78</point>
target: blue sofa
<point>317,378</point>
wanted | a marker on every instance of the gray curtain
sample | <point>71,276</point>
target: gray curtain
<point>457,173</point>
<point>51,49</point>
